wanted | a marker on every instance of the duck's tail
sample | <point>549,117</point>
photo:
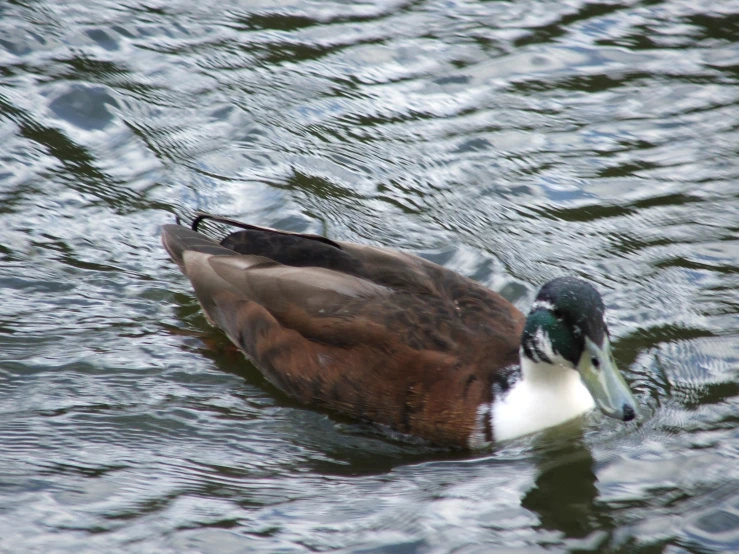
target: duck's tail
<point>178,239</point>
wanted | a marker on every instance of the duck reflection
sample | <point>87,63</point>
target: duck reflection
<point>564,493</point>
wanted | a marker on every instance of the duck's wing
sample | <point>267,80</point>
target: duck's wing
<point>363,330</point>
<point>292,294</point>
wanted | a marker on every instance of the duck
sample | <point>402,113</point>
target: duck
<point>390,338</point>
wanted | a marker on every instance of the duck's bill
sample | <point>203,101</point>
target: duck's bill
<point>604,381</point>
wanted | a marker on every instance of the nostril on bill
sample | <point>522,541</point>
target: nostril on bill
<point>628,412</point>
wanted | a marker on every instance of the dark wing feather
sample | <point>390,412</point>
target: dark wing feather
<point>376,334</point>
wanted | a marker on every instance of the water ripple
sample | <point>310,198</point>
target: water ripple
<point>510,141</point>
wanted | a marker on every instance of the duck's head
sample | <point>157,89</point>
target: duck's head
<point>566,328</point>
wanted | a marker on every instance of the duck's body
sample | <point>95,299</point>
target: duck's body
<point>375,334</point>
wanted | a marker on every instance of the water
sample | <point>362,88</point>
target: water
<point>510,141</point>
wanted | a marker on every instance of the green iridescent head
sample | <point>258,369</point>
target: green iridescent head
<point>566,327</point>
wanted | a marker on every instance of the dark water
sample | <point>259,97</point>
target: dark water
<point>511,141</point>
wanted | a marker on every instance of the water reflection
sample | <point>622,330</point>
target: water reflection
<point>84,107</point>
<point>564,494</point>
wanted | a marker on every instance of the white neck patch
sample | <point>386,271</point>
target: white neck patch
<point>546,396</point>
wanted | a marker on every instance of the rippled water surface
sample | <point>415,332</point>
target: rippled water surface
<point>510,141</point>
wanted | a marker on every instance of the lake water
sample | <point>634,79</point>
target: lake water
<point>510,141</point>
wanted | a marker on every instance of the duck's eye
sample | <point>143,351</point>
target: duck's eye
<point>557,313</point>
<point>596,362</point>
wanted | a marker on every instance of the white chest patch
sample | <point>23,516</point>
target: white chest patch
<point>546,396</point>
